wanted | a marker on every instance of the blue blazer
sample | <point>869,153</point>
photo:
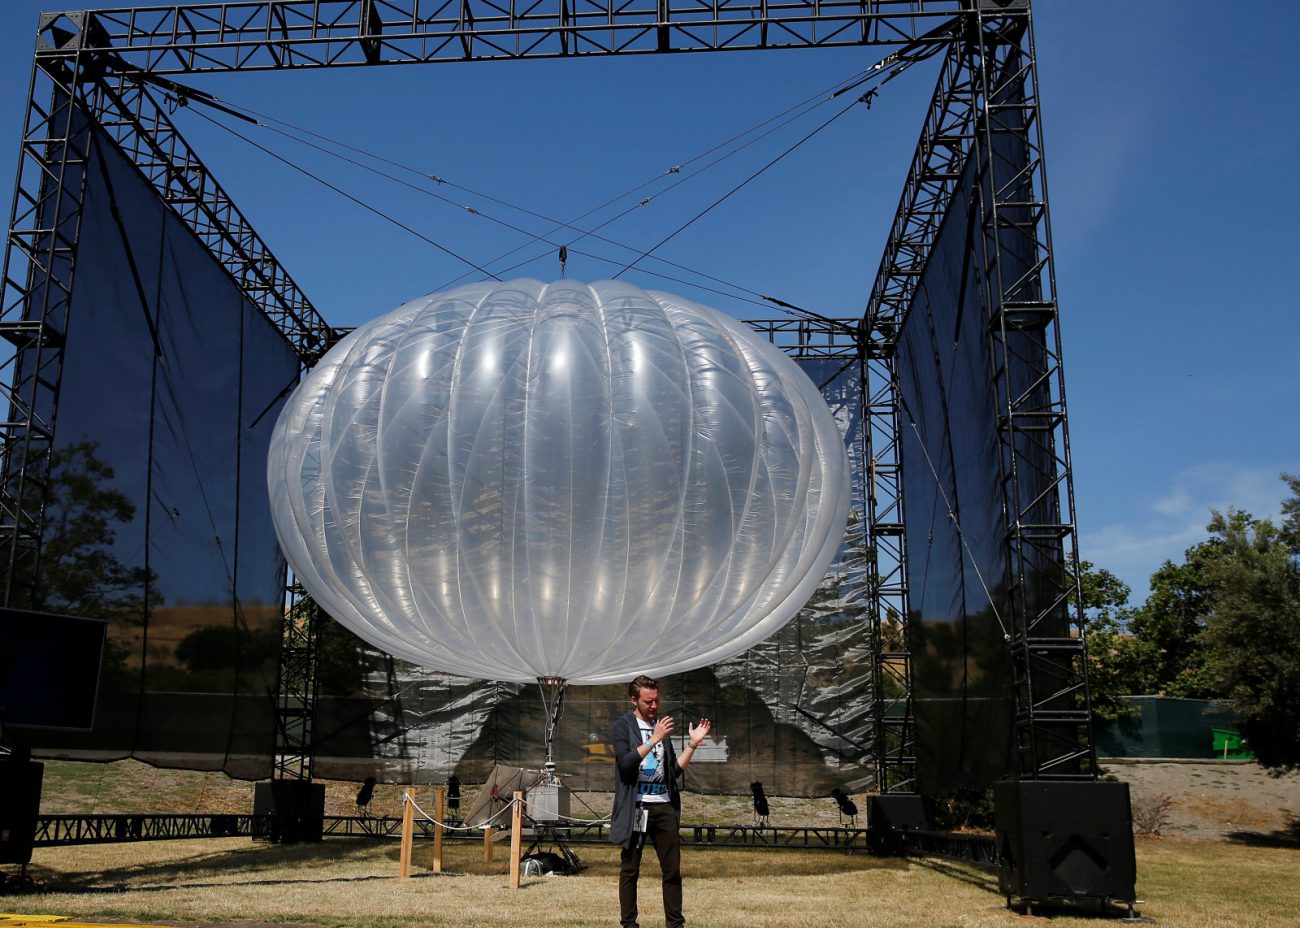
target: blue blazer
<point>627,762</point>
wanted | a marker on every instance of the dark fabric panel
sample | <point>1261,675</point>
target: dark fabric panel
<point>168,397</point>
<point>956,552</point>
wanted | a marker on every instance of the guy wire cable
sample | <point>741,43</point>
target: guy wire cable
<point>184,94</point>
<point>865,98</point>
<point>343,193</point>
<point>854,80</point>
<point>230,107</point>
<point>876,70</point>
<point>532,238</point>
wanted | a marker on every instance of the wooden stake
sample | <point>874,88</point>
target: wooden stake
<point>439,815</point>
<point>408,833</point>
<point>516,838</point>
<point>488,838</point>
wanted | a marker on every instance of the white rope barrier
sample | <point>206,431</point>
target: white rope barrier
<point>406,797</point>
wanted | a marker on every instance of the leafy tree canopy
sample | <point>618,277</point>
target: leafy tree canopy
<point>1222,625</point>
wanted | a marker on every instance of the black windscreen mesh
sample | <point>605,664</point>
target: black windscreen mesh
<point>964,487</point>
<point>793,712</point>
<point>159,523</point>
<point>158,519</point>
<point>956,529</point>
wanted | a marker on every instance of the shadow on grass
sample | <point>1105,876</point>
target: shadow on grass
<point>134,887</point>
<point>1287,837</point>
<point>733,863</point>
<point>968,873</point>
<point>986,878</point>
<point>244,860</point>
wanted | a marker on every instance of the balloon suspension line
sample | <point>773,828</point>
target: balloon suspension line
<point>553,704</point>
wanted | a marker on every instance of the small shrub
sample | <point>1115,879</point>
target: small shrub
<point>1151,813</point>
<point>964,809</point>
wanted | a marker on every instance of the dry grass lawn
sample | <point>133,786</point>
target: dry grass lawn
<point>354,883</point>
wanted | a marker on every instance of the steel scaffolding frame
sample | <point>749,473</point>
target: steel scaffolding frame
<point>986,98</point>
<point>932,177</point>
<point>816,338</point>
<point>109,65</point>
<point>277,34</point>
<point>66,95</point>
<point>1053,722</point>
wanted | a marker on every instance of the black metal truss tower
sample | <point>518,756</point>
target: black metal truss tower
<point>112,64</point>
<point>1053,721</point>
<point>881,502</point>
<point>985,108</point>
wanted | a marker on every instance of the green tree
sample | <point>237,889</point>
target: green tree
<point>1251,637</point>
<point>1169,626</point>
<point>1117,662</point>
<point>1290,535</point>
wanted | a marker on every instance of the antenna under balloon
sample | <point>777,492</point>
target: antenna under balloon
<point>553,704</point>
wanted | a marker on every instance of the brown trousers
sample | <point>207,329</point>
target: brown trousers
<point>661,831</point>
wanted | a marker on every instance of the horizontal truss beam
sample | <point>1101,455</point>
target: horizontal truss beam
<point>65,830</point>
<point>268,36</point>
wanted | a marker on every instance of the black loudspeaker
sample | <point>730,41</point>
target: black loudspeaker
<point>890,814</point>
<point>20,802</point>
<point>1065,840</point>
<point>296,808</point>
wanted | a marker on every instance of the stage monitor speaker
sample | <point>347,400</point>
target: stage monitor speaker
<point>20,803</point>
<point>296,811</point>
<point>1064,840</point>
<point>890,814</point>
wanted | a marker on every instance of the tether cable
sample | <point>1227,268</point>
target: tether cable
<point>556,224</point>
<point>865,98</point>
<point>343,193</point>
<point>184,95</point>
<point>616,262</point>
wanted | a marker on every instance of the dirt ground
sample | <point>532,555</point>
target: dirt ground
<point>1206,800</point>
<point>1214,799</point>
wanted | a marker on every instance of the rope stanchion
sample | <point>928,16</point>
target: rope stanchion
<point>449,827</point>
<point>516,838</point>
<point>439,813</point>
<point>408,834</point>
<point>516,806</point>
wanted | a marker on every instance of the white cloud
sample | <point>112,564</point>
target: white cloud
<point>1172,522</point>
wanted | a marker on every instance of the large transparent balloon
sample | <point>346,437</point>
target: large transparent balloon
<point>521,480</point>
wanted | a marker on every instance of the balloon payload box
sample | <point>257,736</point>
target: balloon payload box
<point>548,802</point>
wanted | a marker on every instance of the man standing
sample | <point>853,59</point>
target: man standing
<point>647,804</point>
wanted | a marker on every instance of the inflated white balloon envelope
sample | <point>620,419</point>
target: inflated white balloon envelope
<point>523,480</point>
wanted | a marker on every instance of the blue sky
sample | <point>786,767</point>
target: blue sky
<point>1172,146</point>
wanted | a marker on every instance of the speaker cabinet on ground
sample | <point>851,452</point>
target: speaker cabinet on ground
<point>296,809</point>
<point>20,801</point>
<point>890,814</point>
<point>1064,840</point>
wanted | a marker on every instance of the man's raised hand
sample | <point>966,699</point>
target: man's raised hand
<point>699,732</point>
<point>663,728</point>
